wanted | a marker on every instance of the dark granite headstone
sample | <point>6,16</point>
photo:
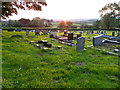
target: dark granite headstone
<point>70,36</point>
<point>113,33</point>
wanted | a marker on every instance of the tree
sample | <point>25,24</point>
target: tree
<point>108,22</point>
<point>24,22</point>
<point>10,8</point>
<point>64,24</point>
<point>109,14</point>
<point>96,25</point>
<point>37,22</point>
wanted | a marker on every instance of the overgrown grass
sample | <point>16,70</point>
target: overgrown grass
<point>26,66</point>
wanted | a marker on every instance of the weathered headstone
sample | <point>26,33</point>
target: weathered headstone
<point>70,36</point>
<point>113,33</point>
<point>118,34</point>
<point>80,43</point>
<point>97,40</point>
<point>49,45</point>
<point>27,32</point>
<point>80,32</point>
<point>37,32</point>
<point>79,35</point>
<point>88,32</point>
<point>53,34</point>
<point>45,32</point>
<point>92,31</point>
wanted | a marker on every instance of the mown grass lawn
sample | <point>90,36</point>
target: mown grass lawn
<point>26,66</point>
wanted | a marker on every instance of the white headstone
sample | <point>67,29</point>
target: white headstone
<point>80,43</point>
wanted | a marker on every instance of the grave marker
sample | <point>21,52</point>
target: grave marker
<point>97,40</point>
<point>70,36</point>
<point>80,43</point>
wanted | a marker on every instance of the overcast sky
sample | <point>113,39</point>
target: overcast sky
<point>67,9</point>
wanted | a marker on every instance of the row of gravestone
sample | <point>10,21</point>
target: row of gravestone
<point>97,40</point>
<point>44,43</point>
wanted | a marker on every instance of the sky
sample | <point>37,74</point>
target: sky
<point>66,9</point>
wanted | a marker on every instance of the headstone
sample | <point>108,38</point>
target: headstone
<point>37,45</point>
<point>92,31</point>
<point>116,50</point>
<point>88,32</point>
<point>37,32</point>
<point>40,42</point>
<point>97,40</point>
<point>48,45</point>
<point>70,36</point>
<point>84,31</point>
<point>27,32</point>
<point>65,32</point>
<point>45,32</point>
<point>16,35</point>
<point>79,35</point>
<point>45,42</point>
<point>80,43</point>
<point>113,33</point>
<point>80,32</point>
<point>59,47</point>
<point>53,34</point>
<point>118,34</point>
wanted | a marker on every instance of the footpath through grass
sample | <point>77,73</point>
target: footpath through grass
<point>26,66</point>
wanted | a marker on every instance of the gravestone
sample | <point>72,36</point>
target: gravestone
<point>113,33</point>
<point>65,32</point>
<point>80,43</point>
<point>118,34</point>
<point>79,35</point>
<point>97,40</point>
<point>92,31</point>
<point>70,36</point>
<point>84,31</point>
<point>16,35</point>
<point>37,45</point>
<point>45,32</point>
<point>40,41</point>
<point>88,32</point>
<point>27,32</point>
<point>80,32</point>
<point>37,32</point>
<point>53,34</point>
<point>49,45</point>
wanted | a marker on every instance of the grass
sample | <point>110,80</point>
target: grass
<point>26,66</point>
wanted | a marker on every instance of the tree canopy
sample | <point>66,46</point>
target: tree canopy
<point>10,8</point>
<point>110,16</point>
<point>111,9</point>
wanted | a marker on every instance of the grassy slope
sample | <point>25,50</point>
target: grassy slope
<point>24,65</point>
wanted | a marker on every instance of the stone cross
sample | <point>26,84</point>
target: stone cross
<point>97,40</point>
<point>80,43</point>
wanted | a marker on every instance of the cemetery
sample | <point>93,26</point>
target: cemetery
<point>63,45</point>
<point>58,58</point>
